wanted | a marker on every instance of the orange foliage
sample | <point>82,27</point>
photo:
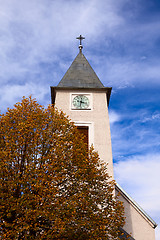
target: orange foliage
<point>50,187</point>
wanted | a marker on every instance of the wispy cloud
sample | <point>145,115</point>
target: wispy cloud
<point>11,94</point>
<point>113,117</point>
<point>37,33</point>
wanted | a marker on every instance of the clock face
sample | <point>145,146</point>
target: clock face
<point>81,102</point>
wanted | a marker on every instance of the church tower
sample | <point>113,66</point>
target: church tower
<point>82,96</point>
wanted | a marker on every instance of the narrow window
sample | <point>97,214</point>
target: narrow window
<point>84,131</point>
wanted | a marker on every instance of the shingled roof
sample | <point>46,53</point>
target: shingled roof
<point>80,75</point>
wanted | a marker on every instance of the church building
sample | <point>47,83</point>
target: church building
<point>83,97</point>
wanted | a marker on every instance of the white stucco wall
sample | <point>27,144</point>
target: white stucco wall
<point>97,119</point>
<point>136,224</point>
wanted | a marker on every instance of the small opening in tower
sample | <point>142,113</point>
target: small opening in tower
<point>84,130</point>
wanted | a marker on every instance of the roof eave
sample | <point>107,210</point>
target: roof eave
<point>129,199</point>
<point>103,89</point>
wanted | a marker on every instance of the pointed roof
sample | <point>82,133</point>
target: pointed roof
<point>80,75</point>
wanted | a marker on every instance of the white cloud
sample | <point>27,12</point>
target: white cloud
<point>154,116</point>
<point>114,117</point>
<point>126,71</point>
<point>38,24</point>
<point>38,31</point>
<point>12,94</point>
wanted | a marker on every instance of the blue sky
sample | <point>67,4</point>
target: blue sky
<point>37,45</point>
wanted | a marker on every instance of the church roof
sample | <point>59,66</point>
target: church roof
<point>136,206</point>
<point>80,75</point>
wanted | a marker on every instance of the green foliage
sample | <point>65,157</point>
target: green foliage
<point>50,186</point>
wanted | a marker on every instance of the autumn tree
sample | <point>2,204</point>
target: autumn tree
<point>50,186</point>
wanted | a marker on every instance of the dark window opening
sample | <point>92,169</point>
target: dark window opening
<point>84,130</point>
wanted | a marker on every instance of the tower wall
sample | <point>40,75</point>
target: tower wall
<point>96,119</point>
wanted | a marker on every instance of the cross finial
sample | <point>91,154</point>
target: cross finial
<point>80,38</point>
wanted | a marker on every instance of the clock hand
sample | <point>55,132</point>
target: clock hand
<point>81,102</point>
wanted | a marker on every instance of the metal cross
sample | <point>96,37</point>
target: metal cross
<point>80,38</point>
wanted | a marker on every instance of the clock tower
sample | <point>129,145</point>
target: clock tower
<point>82,96</point>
